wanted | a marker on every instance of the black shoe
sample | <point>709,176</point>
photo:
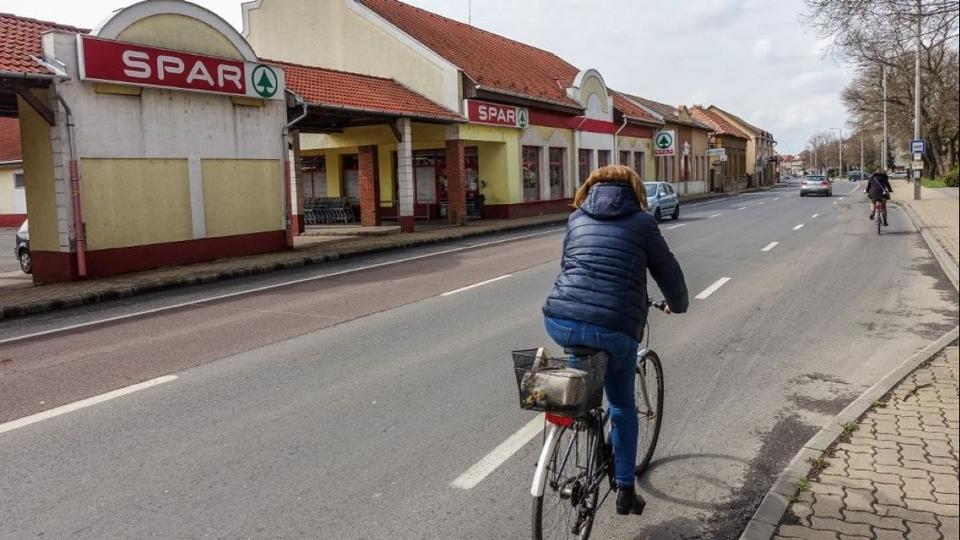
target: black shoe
<point>885,223</point>
<point>629,501</point>
<point>871,216</point>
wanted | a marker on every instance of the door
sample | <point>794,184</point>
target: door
<point>429,183</point>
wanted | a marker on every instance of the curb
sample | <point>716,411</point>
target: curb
<point>939,253</point>
<point>763,525</point>
<point>125,291</point>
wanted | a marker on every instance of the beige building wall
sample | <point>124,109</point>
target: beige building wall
<point>6,190</point>
<point>345,35</point>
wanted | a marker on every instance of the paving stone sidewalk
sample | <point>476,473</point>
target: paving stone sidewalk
<point>896,475</point>
<point>938,213</point>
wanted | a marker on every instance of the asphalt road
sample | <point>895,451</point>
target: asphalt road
<point>344,407</point>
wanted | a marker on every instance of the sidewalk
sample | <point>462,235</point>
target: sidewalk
<point>894,473</point>
<point>22,298</point>
<point>937,211</point>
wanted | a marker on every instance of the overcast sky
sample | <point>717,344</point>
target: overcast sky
<point>751,57</point>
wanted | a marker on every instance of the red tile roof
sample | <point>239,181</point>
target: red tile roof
<point>718,123</point>
<point>493,62</point>
<point>9,140</point>
<point>321,86</point>
<point>633,111</point>
<point>20,42</point>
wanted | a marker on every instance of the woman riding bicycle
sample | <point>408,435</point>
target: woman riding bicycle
<point>599,299</point>
<point>878,189</point>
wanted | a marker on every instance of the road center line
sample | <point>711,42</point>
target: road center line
<point>481,469</point>
<point>776,198</point>
<point>83,403</point>
<point>770,246</point>
<point>475,285</point>
<point>676,226</point>
<point>742,208</point>
<point>798,227</point>
<point>712,288</point>
<point>841,198</point>
<point>761,202</point>
<point>815,215</point>
<point>715,215</point>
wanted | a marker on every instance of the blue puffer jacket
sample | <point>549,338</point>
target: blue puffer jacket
<point>610,244</point>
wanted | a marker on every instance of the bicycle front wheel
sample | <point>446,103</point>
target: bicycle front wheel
<point>649,396</point>
<point>569,501</point>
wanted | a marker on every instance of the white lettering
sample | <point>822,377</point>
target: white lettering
<point>199,72</point>
<point>229,73</point>
<point>483,113</point>
<point>512,116</point>
<point>136,67</point>
<point>168,64</point>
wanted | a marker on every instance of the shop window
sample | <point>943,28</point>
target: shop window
<point>313,174</point>
<point>603,158</point>
<point>350,177</point>
<point>425,176</point>
<point>625,158</point>
<point>638,163</point>
<point>531,173</point>
<point>19,181</point>
<point>584,165</point>
<point>557,165</point>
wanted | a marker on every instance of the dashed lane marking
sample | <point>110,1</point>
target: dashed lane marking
<point>712,288</point>
<point>770,246</point>
<point>481,469</point>
<point>798,227</point>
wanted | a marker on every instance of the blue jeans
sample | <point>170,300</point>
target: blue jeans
<point>618,385</point>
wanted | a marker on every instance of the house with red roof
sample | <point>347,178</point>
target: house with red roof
<point>729,169</point>
<point>534,125</point>
<point>13,201</point>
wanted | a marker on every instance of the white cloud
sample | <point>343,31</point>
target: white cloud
<point>761,48</point>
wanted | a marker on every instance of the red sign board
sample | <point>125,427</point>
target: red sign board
<point>141,65</point>
<point>483,112</point>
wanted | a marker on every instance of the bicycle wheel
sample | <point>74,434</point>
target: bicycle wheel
<point>649,395</point>
<point>879,217</point>
<point>569,501</point>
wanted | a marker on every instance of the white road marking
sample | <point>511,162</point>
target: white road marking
<point>761,202</point>
<point>776,198</point>
<point>798,227</point>
<point>77,405</point>
<point>770,246</point>
<point>481,469</point>
<point>815,215</point>
<point>475,285</point>
<point>715,215</point>
<point>274,286</point>
<point>841,198</point>
<point>676,226</point>
<point>742,208</point>
<point>712,288</point>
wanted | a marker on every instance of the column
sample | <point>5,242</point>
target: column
<point>405,175</point>
<point>369,186</point>
<point>296,184</point>
<point>456,183</point>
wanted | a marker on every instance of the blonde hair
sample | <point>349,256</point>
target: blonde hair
<point>612,174</point>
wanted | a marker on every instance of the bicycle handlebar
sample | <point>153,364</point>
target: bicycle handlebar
<point>659,304</point>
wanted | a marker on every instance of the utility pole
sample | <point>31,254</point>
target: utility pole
<point>861,152</point>
<point>840,148</point>
<point>916,99</point>
<point>883,145</point>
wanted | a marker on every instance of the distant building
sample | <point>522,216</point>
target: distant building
<point>761,156</point>
<point>728,171</point>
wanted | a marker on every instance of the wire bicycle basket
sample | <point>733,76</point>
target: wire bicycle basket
<point>569,387</point>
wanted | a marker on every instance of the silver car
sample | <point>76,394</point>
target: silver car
<point>818,184</point>
<point>662,200</point>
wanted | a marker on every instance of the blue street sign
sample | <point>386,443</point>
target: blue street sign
<point>917,147</point>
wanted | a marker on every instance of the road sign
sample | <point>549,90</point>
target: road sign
<point>723,157</point>
<point>716,152</point>
<point>917,146</point>
<point>665,143</point>
<point>917,165</point>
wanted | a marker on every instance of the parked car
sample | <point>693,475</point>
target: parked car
<point>816,184</point>
<point>856,176</point>
<point>22,248</point>
<point>898,174</point>
<point>662,200</point>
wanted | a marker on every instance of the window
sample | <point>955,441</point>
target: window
<point>557,164</point>
<point>531,173</point>
<point>350,177</point>
<point>313,172</point>
<point>603,158</point>
<point>19,180</point>
<point>625,158</point>
<point>638,163</point>
<point>584,163</point>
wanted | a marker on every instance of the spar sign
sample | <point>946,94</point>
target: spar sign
<point>665,143</point>
<point>106,60</point>
<point>483,112</point>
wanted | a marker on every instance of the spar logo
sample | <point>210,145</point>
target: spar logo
<point>665,143</point>
<point>264,81</point>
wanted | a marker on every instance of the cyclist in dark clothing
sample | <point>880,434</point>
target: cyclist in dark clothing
<point>878,189</point>
<point>600,297</point>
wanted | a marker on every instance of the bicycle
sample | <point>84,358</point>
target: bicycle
<point>878,212</point>
<point>577,454</point>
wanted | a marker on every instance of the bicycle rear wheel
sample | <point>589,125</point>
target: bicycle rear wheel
<point>569,502</point>
<point>649,396</point>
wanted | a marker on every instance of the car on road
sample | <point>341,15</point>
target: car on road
<point>898,174</point>
<point>856,176</point>
<point>816,184</point>
<point>662,200</point>
<point>22,248</point>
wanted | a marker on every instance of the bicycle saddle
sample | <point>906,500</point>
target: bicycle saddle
<point>581,351</point>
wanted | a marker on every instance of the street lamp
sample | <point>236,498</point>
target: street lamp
<point>840,148</point>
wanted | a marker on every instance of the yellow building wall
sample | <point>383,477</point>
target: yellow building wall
<point>132,202</point>
<point>6,191</point>
<point>593,86</point>
<point>241,196</point>
<point>498,151</point>
<point>38,170</point>
<point>180,33</point>
<point>330,34</point>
